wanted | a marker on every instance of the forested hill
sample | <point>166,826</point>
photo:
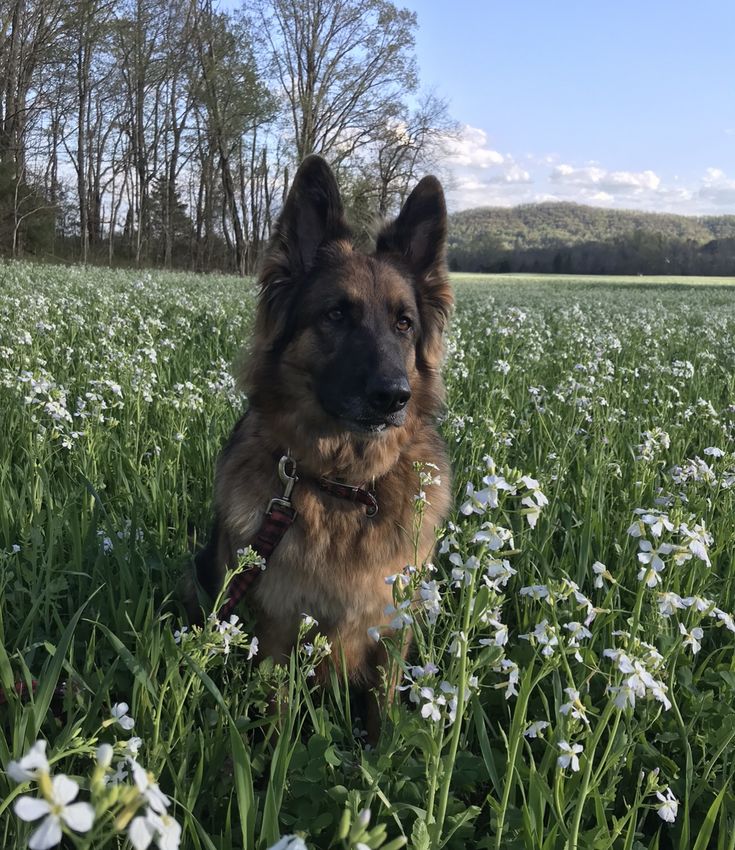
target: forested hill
<point>572,238</point>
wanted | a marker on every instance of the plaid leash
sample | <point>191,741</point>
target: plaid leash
<point>275,524</point>
<point>279,517</point>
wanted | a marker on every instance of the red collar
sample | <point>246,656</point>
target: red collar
<point>352,493</point>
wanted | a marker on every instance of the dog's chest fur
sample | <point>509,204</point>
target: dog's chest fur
<point>333,561</point>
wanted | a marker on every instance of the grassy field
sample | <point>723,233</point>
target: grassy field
<point>573,680</point>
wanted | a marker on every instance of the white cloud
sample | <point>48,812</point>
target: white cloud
<point>511,173</point>
<point>609,182</point>
<point>470,149</point>
<point>483,176</point>
<point>717,188</point>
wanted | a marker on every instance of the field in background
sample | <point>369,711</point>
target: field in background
<point>573,683</point>
<point>593,280</point>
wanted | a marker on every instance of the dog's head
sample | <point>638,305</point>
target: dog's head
<point>352,342</point>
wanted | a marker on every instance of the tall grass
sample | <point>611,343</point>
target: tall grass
<point>554,698</point>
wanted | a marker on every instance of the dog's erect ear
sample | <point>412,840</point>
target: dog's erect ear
<point>419,233</point>
<point>417,241</point>
<point>312,215</point>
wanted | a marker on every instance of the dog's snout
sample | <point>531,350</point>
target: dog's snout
<point>389,395</point>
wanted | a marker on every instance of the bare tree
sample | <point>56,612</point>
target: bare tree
<point>163,131</point>
<point>408,148</point>
<point>29,34</point>
<point>343,67</point>
<point>234,101</point>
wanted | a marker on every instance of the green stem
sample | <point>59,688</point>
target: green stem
<point>457,728</point>
<point>515,739</point>
<point>433,778</point>
<point>584,788</point>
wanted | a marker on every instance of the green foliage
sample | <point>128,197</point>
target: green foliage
<point>115,396</point>
<point>564,238</point>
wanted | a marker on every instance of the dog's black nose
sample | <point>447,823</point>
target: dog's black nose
<point>389,395</point>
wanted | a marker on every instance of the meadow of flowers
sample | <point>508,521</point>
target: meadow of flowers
<point>572,683</point>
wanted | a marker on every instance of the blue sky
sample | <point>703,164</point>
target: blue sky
<point>609,102</point>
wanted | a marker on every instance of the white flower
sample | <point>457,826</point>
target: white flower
<point>148,787</point>
<point>669,807</point>
<point>533,730</point>
<point>624,695</point>
<point>55,811</point>
<point>402,617</point>
<point>652,557</point>
<point>545,636</point>
<point>133,746</point>
<point>670,602</point>
<point>32,763</point>
<point>500,638</point>
<point>569,755</point>
<point>104,755</point>
<point>463,570</point>
<point>713,451</point>
<point>374,633</point>
<point>119,713</point>
<point>432,705</point>
<point>601,573</point>
<point>657,523</point>
<point>700,603</point>
<point>459,640</point>
<point>697,540</point>
<point>511,686</point>
<point>536,591</point>
<point>451,692</point>
<point>494,536</point>
<point>649,555</point>
<point>692,638</point>
<point>498,574</point>
<point>726,619</point>
<point>574,706</point>
<point>430,596</point>
<point>289,842</point>
<point>163,828</point>
<point>578,632</point>
<point>477,501</point>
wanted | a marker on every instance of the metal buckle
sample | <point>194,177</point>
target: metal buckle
<point>371,510</point>
<point>288,479</point>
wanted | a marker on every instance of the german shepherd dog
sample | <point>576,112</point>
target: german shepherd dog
<point>343,379</point>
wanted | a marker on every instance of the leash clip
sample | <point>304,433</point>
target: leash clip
<point>288,476</point>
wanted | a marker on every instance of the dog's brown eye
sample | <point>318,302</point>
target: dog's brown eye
<point>404,324</point>
<point>335,315</point>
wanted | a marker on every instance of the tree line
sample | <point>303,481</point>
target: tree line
<point>164,132</point>
<point>566,238</point>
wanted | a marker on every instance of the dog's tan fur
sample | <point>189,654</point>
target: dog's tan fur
<point>333,561</point>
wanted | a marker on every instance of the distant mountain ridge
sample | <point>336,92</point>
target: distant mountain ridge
<point>568,236</point>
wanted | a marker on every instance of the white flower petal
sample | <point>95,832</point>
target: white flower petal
<point>47,835</point>
<point>30,808</point>
<point>140,833</point>
<point>64,789</point>
<point>79,817</point>
<point>28,767</point>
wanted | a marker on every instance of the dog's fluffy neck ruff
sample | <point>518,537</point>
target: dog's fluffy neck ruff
<point>346,456</point>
